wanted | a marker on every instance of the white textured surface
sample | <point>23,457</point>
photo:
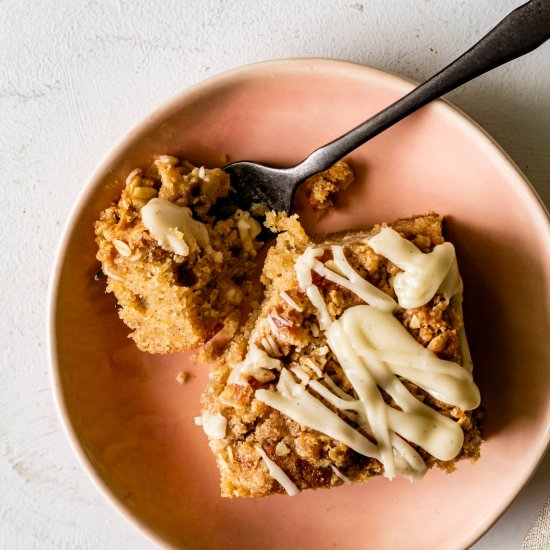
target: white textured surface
<point>76,75</point>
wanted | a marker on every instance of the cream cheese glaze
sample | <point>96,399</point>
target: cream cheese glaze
<point>422,274</point>
<point>175,229</point>
<point>278,473</point>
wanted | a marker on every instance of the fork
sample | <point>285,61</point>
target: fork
<point>520,32</point>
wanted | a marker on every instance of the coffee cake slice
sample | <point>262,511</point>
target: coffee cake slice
<point>355,364</point>
<point>177,273</point>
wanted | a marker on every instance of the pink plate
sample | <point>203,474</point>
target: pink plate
<point>131,423</point>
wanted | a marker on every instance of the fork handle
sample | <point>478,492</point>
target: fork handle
<point>520,32</point>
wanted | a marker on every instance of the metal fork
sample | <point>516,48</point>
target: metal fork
<point>523,30</point>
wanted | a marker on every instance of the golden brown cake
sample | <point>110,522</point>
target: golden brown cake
<point>321,188</point>
<point>300,401</point>
<point>353,361</point>
<point>177,273</point>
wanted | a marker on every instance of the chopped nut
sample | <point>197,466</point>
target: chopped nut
<point>321,351</point>
<point>234,295</point>
<point>106,269</point>
<point>144,193</point>
<point>414,322</point>
<point>281,449</point>
<point>227,398</point>
<point>167,159</point>
<point>122,248</point>
<point>133,176</point>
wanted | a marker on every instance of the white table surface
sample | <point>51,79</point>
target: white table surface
<point>75,75</point>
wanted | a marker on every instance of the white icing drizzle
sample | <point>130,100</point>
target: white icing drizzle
<point>335,400</point>
<point>373,349</point>
<point>365,290</point>
<point>297,403</point>
<point>277,473</point>
<point>303,267</point>
<point>350,279</point>
<point>339,474</point>
<point>353,339</point>
<point>214,425</point>
<point>308,362</point>
<point>336,389</point>
<point>356,339</point>
<point>364,384</point>
<point>257,364</point>
<point>175,229</point>
<point>249,229</point>
<point>292,303</point>
<point>300,374</point>
<point>423,274</point>
<point>408,462</point>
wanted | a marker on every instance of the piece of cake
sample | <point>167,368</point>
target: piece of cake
<point>321,188</point>
<point>177,273</point>
<point>355,364</point>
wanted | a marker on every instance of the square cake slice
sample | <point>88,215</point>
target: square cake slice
<point>354,365</point>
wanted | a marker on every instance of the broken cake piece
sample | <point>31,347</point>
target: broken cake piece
<point>321,188</point>
<point>354,365</point>
<point>177,273</point>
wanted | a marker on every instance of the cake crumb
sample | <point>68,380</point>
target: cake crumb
<point>182,377</point>
<point>321,188</point>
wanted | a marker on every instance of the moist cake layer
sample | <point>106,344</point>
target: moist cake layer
<point>177,273</point>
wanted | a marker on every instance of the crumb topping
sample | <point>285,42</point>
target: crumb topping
<point>181,276</point>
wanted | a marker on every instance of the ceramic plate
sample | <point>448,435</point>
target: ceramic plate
<point>132,424</point>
